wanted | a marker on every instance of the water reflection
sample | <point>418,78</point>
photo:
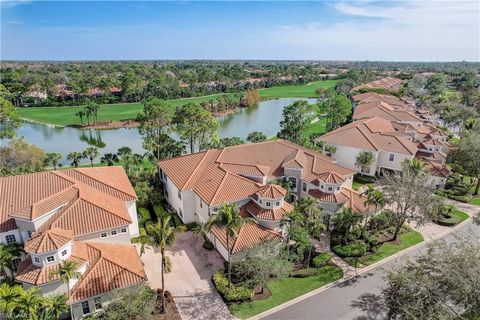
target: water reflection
<point>265,117</point>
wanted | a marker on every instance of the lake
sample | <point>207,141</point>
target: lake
<point>265,117</point>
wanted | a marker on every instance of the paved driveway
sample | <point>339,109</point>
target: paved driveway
<point>189,280</point>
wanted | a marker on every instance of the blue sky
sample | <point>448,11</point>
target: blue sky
<point>326,30</point>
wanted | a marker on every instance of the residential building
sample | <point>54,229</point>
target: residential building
<point>387,83</point>
<point>86,215</point>
<point>196,185</point>
<point>390,148</point>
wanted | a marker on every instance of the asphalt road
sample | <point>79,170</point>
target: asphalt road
<point>358,298</point>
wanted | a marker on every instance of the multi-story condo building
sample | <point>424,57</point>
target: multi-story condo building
<point>84,215</point>
<point>196,185</point>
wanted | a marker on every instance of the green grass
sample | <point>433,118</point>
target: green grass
<point>460,215</point>
<point>475,198</point>
<point>297,91</point>
<point>360,181</point>
<point>407,240</point>
<point>63,116</point>
<point>285,290</point>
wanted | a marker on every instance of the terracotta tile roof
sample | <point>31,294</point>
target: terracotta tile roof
<point>387,83</point>
<point>383,110</point>
<point>436,169</point>
<point>113,266</point>
<point>37,276</point>
<point>376,97</point>
<point>267,214</point>
<point>86,203</point>
<point>247,237</point>
<point>271,191</point>
<point>437,157</point>
<point>331,177</point>
<point>368,134</point>
<point>48,241</point>
<point>347,196</point>
<point>219,175</point>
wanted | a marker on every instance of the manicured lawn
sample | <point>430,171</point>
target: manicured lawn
<point>476,198</point>
<point>63,116</point>
<point>359,181</point>
<point>460,215</point>
<point>387,249</point>
<point>317,127</point>
<point>285,290</point>
<point>298,91</point>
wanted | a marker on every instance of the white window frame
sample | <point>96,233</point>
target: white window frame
<point>15,263</point>
<point>391,157</point>
<point>304,187</point>
<point>64,252</point>
<point>36,259</point>
<point>277,203</point>
<point>268,204</point>
<point>8,238</point>
<point>102,235</point>
<point>47,259</point>
<point>97,300</point>
<point>85,305</point>
<point>113,233</point>
<point>123,230</point>
<point>179,194</point>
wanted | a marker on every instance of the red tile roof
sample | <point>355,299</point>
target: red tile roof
<point>271,191</point>
<point>50,240</point>
<point>276,214</point>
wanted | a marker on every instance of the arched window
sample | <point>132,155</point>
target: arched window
<point>293,180</point>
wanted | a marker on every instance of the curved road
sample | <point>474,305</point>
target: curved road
<point>358,298</point>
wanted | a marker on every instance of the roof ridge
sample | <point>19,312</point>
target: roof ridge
<point>114,213</point>
<point>368,139</point>
<point>403,144</point>
<point>120,266</point>
<point>101,182</point>
<point>195,170</point>
<point>220,185</point>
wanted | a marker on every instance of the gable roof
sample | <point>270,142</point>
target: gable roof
<point>387,83</point>
<point>220,175</point>
<point>383,110</point>
<point>271,191</point>
<point>370,134</point>
<point>34,195</point>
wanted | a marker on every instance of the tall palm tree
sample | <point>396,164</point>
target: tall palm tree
<point>228,218</point>
<point>74,158</point>
<point>67,271</point>
<point>80,114</point>
<point>143,240</point>
<point>415,165</point>
<point>109,159</point>
<point>364,160</point>
<point>53,158</point>
<point>162,235</point>
<point>126,156</point>
<point>374,197</point>
<point>91,153</point>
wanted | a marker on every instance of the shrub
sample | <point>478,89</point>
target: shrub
<point>190,226</point>
<point>233,294</point>
<point>305,273</point>
<point>144,216</point>
<point>447,222</point>
<point>353,249</point>
<point>322,259</point>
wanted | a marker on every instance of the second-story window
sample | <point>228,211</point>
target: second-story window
<point>304,187</point>
<point>64,252</point>
<point>113,233</point>
<point>36,259</point>
<point>201,204</point>
<point>277,203</point>
<point>50,259</point>
<point>10,238</point>
<point>179,195</point>
<point>391,157</point>
<point>268,204</point>
<point>330,189</point>
<point>103,235</point>
<point>293,181</point>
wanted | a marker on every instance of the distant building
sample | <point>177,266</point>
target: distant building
<point>388,83</point>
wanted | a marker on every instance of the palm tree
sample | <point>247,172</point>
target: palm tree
<point>364,160</point>
<point>201,230</point>
<point>228,218</point>
<point>74,158</point>
<point>126,156</point>
<point>415,165</point>
<point>31,302</point>
<point>109,159</point>
<point>162,235</point>
<point>55,306</point>
<point>80,114</point>
<point>9,296</point>
<point>143,240</point>
<point>53,158</point>
<point>7,253</point>
<point>374,197</point>
<point>67,271</point>
<point>310,208</point>
<point>91,153</point>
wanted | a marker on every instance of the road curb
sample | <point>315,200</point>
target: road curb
<point>359,272</point>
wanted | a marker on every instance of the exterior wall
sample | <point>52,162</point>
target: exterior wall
<point>272,225</point>
<point>57,254</point>
<point>296,173</point>
<point>132,210</point>
<point>346,155</point>
<point>50,289</point>
<point>219,246</point>
<point>201,209</point>
<point>396,164</point>
<point>188,212</point>
<point>119,238</point>
<point>15,232</point>
<point>172,191</point>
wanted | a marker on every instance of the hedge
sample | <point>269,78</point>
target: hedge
<point>305,273</point>
<point>351,250</point>
<point>322,259</point>
<point>233,294</point>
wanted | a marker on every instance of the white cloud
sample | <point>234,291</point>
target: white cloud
<point>420,30</point>
<point>13,3</point>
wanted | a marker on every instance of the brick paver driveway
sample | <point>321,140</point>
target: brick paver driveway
<point>189,280</point>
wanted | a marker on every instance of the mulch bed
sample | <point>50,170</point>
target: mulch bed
<point>260,296</point>
<point>171,311</point>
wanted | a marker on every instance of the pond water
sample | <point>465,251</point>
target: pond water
<point>265,117</point>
